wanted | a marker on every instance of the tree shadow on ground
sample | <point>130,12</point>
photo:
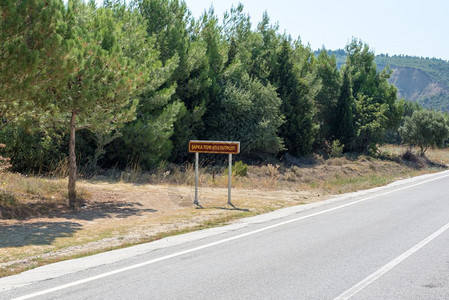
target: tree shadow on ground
<point>413,160</point>
<point>37,233</point>
<point>109,209</point>
<point>303,162</point>
<point>44,208</point>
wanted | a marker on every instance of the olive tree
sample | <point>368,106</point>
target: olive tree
<point>424,129</point>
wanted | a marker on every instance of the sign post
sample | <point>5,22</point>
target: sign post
<point>197,158</point>
<point>229,179</point>
<point>198,147</point>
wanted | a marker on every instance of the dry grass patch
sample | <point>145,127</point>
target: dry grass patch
<point>27,196</point>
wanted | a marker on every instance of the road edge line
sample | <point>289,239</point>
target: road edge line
<point>389,266</point>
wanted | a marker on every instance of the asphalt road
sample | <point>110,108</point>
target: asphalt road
<point>388,244</point>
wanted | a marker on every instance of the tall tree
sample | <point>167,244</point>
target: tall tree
<point>101,93</point>
<point>298,131</point>
<point>326,99</point>
<point>344,123</point>
<point>176,35</point>
<point>371,88</point>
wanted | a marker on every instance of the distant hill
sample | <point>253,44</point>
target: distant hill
<point>418,79</point>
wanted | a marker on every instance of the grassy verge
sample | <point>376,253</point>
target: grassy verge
<point>37,227</point>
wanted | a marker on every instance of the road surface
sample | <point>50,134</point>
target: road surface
<point>392,243</point>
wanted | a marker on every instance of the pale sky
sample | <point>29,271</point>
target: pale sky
<point>411,27</point>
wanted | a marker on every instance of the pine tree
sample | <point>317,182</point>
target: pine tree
<point>176,36</point>
<point>102,92</point>
<point>33,56</point>
<point>326,99</point>
<point>344,123</point>
<point>298,131</point>
<point>376,109</point>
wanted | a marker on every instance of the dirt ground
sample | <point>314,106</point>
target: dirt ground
<point>124,213</point>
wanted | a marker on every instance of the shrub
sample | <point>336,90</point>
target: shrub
<point>238,169</point>
<point>7,204</point>
<point>424,129</point>
<point>3,160</point>
<point>31,151</point>
<point>336,149</point>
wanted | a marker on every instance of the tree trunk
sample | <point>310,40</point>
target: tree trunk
<point>72,163</point>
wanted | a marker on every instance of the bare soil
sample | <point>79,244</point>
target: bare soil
<point>124,213</point>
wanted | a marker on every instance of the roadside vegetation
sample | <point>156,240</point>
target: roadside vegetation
<point>124,208</point>
<point>107,87</point>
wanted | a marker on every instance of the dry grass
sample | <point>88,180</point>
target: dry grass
<point>440,156</point>
<point>133,207</point>
<point>23,196</point>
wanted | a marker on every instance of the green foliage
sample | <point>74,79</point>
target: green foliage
<point>425,129</point>
<point>4,161</point>
<point>421,79</point>
<point>34,56</point>
<point>103,90</point>
<point>238,169</point>
<point>408,108</point>
<point>146,143</point>
<point>336,149</point>
<point>376,109</point>
<point>170,25</point>
<point>101,93</point>
<point>439,101</point>
<point>328,95</point>
<point>437,69</point>
<point>296,89</point>
<point>371,122</point>
<point>248,112</point>
<point>32,151</point>
<point>343,127</point>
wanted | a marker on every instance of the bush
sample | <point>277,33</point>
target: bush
<point>7,204</point>
<point>424,129</point>
<point>336,149</point>
<point>238,169</point>
<point>3,160</point>
<point>31,152</point>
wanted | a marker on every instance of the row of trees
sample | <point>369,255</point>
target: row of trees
<point>134,83</point>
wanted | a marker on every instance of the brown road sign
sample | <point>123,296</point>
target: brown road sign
<point>214,147</point>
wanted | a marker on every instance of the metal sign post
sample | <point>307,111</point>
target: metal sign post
<point>198,147</point>
<point>197,158</point>
<point>230,179</point>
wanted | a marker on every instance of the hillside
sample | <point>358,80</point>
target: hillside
<point>422,80</point>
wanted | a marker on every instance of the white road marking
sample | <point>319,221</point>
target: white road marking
<point>149,262</point>
<point>379,273</point>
